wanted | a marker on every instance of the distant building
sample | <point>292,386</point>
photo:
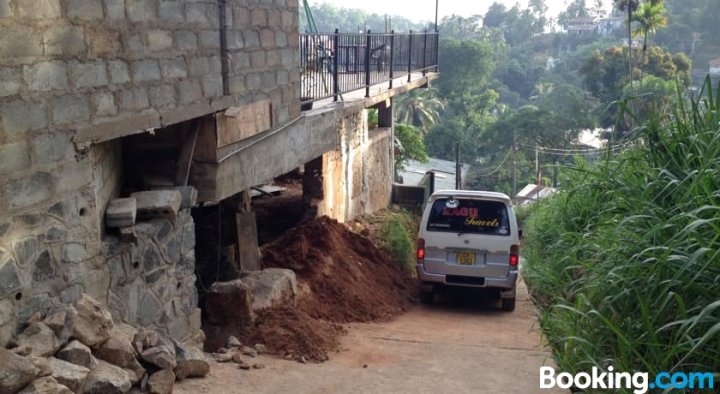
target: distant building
<point>582,25</point>
<point>531,193</point>
<point>715,67</point>
<point>606,26</point>
<point>444,170</point>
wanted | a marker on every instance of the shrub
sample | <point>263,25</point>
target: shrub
<point>397,242</point>
<point>625,261</point>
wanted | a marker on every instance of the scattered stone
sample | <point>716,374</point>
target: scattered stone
<point>40,339</point>
<point>92,323</point>
<point>147,338</point>
<point>191,362</point>
<point>107,379</point>
<point>261,349</point>
<point>244,366</point>
<point>157,204</point>
<point>15,372</point>
<point>222,350</point>
<point>121,212</point>
<point>302,360</point>
<point>223,357</point>
<point>259,366</point>
<point>116,350</point>
<point>161,382</point>
<point>248,351</point>
<point>160,356</point>
<point>43,366</point>
<point>233,342</point>
<point>46,385</point>
<point>77,353</point>
<point>56,322</point>
<point>68,374</point>
<point>271,287</point>
<point>237,358</point>
<point>35,318</point>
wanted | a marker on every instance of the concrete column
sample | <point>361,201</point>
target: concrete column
<point>313,180</point>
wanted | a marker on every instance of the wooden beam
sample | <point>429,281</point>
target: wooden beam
<point>186,153</point>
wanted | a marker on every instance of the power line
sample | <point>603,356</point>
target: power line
<point>498,167</point>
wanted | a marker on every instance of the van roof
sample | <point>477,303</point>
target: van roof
<point>471,194</point>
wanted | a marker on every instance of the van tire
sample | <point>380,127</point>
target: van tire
<point>427,297</point>
<point>508,304</point>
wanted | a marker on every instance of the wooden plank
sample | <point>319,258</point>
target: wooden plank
<point>186,153</point>
<point>248,250</point>
<point>206,144</point>
<point>239,123</point>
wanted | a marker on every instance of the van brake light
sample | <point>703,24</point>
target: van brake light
<point>514,255</point>
<point>420,249</point>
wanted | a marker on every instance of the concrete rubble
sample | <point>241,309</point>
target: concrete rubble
<point>99,357</point>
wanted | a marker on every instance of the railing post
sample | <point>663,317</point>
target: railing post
<point>335,53</point>
<point>424,52</point>
<point>392,55</point>
<point>367,65</point>
<point>437,51</point>
<point>410,47</point>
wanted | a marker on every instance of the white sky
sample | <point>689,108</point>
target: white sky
<point>424,10</point>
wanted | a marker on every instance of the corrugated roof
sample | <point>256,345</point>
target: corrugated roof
<point>444,172</point>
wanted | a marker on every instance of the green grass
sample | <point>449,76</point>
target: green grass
<point>625,261</point>
<point>396,231</point>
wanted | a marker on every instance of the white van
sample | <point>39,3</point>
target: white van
<point>469,238</point>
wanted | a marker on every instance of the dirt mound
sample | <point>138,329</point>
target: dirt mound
<point>343,276</point>
<point>291,332</point>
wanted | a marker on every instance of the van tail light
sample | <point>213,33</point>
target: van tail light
<point>514,255</point>
<point>420,250</point>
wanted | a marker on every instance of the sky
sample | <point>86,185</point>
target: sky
<point>424,10</point>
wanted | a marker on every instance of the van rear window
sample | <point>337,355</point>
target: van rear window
<point>469,216</point>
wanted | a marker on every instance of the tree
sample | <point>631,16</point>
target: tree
<point>411,145</point>
<point>650,17</point>
<point>628,6</point>
<point>420,108</point>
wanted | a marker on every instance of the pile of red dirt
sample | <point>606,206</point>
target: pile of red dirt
<point>343,276</point>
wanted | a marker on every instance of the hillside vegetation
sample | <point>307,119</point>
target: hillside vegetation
<point>625,261</point>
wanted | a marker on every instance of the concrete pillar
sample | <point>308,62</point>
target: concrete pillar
<point>313,180</point>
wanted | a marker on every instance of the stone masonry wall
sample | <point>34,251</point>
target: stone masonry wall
<point>77,73</point>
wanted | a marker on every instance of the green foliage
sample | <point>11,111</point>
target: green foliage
<point>625,261</point>
<point>420,108</point>
<point>350,20</point>
<point>411,147</point>
<point>373,117</point>
<point>396,239</point>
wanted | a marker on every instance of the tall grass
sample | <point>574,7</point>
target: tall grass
<point>625,261</point>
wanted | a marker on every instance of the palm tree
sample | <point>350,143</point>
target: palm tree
<point>420,108</point>
<point>650,16</point>
<point>629,6</point>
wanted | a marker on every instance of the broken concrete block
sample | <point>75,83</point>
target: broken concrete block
<point>229,303</point>
<point>78,354</point>
<point>16,372</point>
<point>189,195</point>
<point>128,234</point>
<point>40,339</point>
<point>157,204</point>
<point>92,323</point>
<point>121,212</point>
<point>272,287</point>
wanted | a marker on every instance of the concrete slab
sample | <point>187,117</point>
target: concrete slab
<point>157,204</point>
<point>121,212</point>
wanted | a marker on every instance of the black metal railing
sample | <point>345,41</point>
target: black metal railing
<point>337,63</point>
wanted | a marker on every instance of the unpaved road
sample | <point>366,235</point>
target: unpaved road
<point>447,347</point>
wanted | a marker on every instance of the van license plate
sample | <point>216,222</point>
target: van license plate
<point>465,258</point>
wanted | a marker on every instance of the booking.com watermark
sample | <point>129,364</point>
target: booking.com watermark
<point>638,382</point>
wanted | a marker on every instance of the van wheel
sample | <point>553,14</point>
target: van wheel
<point>427,297</point>
<point>508,304</point>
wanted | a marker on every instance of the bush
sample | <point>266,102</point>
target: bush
<point>625,261</point>
<point>397,242</point>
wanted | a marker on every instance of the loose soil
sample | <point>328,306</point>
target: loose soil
<point>342,277</point>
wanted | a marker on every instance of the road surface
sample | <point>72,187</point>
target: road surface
<point>443,348</point>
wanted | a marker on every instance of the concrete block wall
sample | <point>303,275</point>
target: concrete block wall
<point>75,76</point>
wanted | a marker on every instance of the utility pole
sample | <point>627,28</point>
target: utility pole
<point>458,174</point>
<point>436,14</point>
<point>537,174</point>
<point>514,164</point>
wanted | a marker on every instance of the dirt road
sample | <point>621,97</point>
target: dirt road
<point>447,347</point>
